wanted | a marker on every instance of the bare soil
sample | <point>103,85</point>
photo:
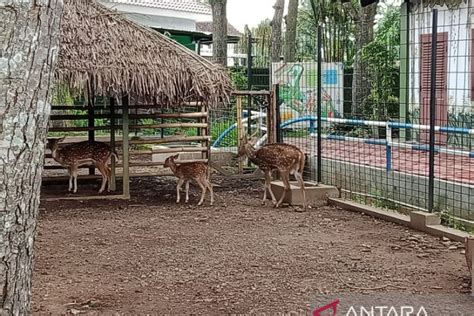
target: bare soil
<point>150,255</point>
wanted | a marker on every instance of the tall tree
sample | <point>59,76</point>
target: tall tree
<point>290,34</point>
<point>364,34</point>
<point>219,31</point>
<point>275,50</point>
<point>29,38</point>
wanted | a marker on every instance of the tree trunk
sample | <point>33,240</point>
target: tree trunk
<point>276,30</point>
<point>29,36</point>
<point>219,31</point>
<point>290,35</point>
<point>364,34</point>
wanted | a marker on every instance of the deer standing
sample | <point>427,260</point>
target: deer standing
<point>285,158</point>
<point>186,172</point>
<point>74,155</point>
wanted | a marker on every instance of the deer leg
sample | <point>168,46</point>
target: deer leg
<point>286,182</point>
<point>103,172</point>
<point>268,185</point>
<point>187,191</point>
<point>178,188</point>
<point>109,177</point>
<point>69,171</point>
<point>74,174</point>
<point>203,194</point>
<point>299,178</point>
<point>211,191</point>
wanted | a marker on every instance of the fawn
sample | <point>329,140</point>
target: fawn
<point>186,172</point>
<point>285,158</point>
<point>74,155</point>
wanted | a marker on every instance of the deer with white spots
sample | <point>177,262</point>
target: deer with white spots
<point>197,171</point>
<point>285,158</point>
<point>74,155</point>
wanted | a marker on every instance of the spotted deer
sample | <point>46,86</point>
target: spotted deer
<point>285,158</point>
<point>74,155</point>
<point>197,171</point>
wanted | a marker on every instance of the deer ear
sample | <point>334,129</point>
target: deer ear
<point>176,156</point>
<point>61,139</point>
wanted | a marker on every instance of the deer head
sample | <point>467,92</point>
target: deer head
<point>169,162</point>
<point>53,143</point>
<point>246,145</point>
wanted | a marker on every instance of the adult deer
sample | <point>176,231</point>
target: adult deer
<point>285,158</point>
<point>188,171</point>
<point>74,155</point>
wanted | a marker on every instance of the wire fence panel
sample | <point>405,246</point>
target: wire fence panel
<point>394,91</point>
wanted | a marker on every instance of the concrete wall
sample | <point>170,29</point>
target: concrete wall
<point>457,199</point>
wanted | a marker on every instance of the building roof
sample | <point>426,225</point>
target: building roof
<point>101,50</point>
<point>206,27</point>
<point>194,6</point>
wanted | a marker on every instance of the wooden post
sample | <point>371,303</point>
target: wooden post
<point>469,249</point>
<point>90,119</point>
<point>112,144</point>
<point>239,128</point>
<point>125,148</point>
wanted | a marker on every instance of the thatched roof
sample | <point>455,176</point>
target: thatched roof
<point>102,51</point>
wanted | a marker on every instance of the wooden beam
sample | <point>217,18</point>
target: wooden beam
<point>125,148</point>
<point>113,179</point>
<point>170,125</point>
<point>170,139</point>
<point>250,92</point>
<point>178,150</point>
<point>192,115</point>
<point>70,117</point>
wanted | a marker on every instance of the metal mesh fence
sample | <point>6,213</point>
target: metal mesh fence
<point>390,136</point>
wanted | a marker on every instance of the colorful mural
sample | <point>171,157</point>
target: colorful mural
<point>298,89</point>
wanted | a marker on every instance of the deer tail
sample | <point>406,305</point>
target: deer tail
<point>114,153</point>
<point>302,163</point>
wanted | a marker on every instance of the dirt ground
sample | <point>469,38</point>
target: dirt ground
<point>149,255</point>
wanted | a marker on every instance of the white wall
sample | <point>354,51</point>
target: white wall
<point>456,23</point>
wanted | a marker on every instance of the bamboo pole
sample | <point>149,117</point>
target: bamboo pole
<point>112,144</point>
<point>239,128</point>
<point>250,92</point>
<point>125,148</point>
<point>195,115</point>
<point>170,139</point>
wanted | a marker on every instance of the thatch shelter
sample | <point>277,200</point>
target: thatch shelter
<point>104,51</point>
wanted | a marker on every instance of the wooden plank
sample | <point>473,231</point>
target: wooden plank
<point>80,129</point>
<point>70,107</point>
<point>170,125</point>
<point>60,179</point>
<point>161,163</point>
<point>179,150</point>
<point>250,92</point>
<point>170,139</point>
<point>89,197</point>
<point>192,115</point>
<point>70,117</point>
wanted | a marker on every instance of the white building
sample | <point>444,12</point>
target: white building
<point>189,22</point>
<point>454,60</point>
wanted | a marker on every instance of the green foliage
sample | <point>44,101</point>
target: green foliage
<point>381,56</point>
<point>338,30</point>
<point>238,75</point>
